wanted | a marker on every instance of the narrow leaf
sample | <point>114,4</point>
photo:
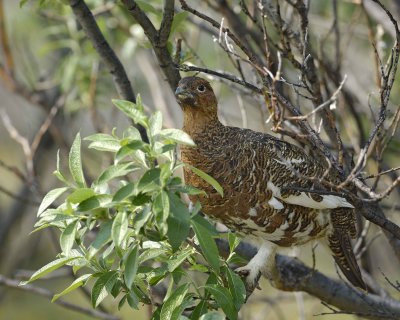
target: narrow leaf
<point>224,300</point>
<point>103,286</point>
<point>177,136</point>
<point>207,244</point>
<point>131,266</point>
<point>168,310</point>
<point>236,288</point>
<point>74,285</point>
<point>114,171</point>
<point>214,183</point>
<point>119,228</point>
<point>67,238</point>
<point>54,265</point>
<point>132,111</point>
<point>155,123</point>
<point>49,198</point>
<point>75,162</point>
<point>178,221</point>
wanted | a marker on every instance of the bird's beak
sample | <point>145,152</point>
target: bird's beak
<point>181,94</point>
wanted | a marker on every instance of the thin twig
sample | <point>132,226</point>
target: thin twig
<point>48,294</point>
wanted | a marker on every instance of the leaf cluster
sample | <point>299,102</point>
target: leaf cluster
<point>129,230</point>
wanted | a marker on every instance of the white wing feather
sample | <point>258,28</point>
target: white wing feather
<point>328,201</point>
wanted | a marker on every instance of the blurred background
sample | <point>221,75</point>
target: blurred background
<point>54,85</point>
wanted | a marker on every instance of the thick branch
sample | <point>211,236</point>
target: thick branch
<point>106,53</point>
<point>296,276</point>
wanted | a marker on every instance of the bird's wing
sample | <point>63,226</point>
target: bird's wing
<point>292,165</point>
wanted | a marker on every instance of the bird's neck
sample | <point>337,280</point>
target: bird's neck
<point>197,122</point>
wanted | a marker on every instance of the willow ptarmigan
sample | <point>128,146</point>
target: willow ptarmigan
<point>254,168</point>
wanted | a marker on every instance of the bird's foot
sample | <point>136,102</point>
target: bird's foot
<point>251,277</point>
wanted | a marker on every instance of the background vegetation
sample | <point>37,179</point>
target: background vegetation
<point>278,62</point>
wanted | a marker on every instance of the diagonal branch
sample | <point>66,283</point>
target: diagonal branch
<point>158,38</point>
<point>106,53</point>
<point>293,275</point>
<point>48,294</point>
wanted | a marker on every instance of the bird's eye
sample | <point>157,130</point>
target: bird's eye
<point>201,88</point>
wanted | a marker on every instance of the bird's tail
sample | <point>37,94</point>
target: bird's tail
<point>344,228</point>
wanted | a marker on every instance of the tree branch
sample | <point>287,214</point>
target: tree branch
<point>48,294</point>
<point>158,38</point>
<point>293,275</point>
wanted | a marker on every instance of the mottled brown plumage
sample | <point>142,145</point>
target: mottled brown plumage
<point>254,168</point>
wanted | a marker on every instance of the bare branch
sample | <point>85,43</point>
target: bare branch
<point>48,294</point>
<point>158,38</point>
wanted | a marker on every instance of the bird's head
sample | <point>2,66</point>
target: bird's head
<point>195,94</point>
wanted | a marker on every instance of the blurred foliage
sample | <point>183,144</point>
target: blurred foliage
<point>108,220</point>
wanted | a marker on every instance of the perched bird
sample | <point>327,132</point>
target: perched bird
<point>258,172</point>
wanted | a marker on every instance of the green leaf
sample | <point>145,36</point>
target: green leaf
<point>124,192</point>
<point>102,238</point>
<point>58,172</point>
<point>233,240</point>
<point>80,195</point>
<point>133,300</point>
<point>224,300</point>
<point>236,288</point>
<point>131,266</point>
<point>54,265</point>
<point>75,162</point>
<point>207,244</point>
<point>49,198</point>
<point>132,133</point>
<point>155,123</point>
<point>74,285</point>
<point>161,207</point>
<point>149,181</point>
<point>175,135</point>
<point>107,146</point>
<point>100,200</point>
<point>175,261</point>
<point>116,170</point>
<point>103,142</point>
<point>213,315</point>
<point>178,221</point>
<point>132,148</point>
<point>67,238</point>
<point>119,228</point>
<point>132,111</point>
<point>170,309</point>
<point>103,286</point>
<point>151,253</point>
<point>200,309</point>
<point>214,183</point>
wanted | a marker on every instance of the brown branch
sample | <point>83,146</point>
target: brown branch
<point>48,294</point>
<point>221,74</point>
<point>293,275</point>
<point>106,53</point>
<point>158,38</point>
